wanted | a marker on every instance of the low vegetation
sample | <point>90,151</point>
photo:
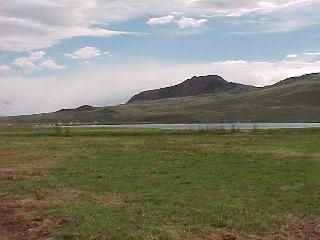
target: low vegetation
<point>159,184</point>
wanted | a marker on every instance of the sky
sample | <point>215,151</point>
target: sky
<point>66,53</point>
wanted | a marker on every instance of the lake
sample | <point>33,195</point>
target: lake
<point>210,126</point>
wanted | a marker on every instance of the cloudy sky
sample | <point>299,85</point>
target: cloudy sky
<point>65,53</point>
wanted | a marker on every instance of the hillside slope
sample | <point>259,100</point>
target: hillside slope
<point>191,87</point>
<point>292,100</point>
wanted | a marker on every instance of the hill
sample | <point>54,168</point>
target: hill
<point>291,100</point>
<point>191,87</point>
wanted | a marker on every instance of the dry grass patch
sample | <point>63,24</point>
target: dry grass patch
<point>22,213</point>
<point>20,165</point>
<point>296,227</point>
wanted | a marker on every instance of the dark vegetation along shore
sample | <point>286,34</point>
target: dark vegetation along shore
<point>208,99</point>
<point>159,184</point>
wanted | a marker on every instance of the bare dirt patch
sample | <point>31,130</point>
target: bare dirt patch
<point>295,228</point>
<point>299,227</point>
<point>22,213</point>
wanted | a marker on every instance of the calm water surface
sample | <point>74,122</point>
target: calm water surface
<point>211,126</point>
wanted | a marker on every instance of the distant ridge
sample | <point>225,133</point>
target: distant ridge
<point>79,109</point>
<point>290,80</point>
<point>191,87</point>
<point>209,99</point>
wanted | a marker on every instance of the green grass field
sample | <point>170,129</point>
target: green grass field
<point>159,184</point>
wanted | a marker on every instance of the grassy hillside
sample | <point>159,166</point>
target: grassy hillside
<point>292,100</point>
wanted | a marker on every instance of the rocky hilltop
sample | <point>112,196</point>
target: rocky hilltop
<point>191,87</point>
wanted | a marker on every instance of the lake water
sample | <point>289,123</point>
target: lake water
<point>211,126</point>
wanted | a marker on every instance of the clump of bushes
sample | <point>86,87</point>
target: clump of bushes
<point>235,129</point>
<point>57,128</point>
<point>255,127</point>
<point>209,130</point>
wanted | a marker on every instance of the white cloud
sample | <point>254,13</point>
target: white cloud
<point>177,13</point>
<point>304,57</point>
<point>29,63</point>
<point>292,55</point>
<point>84,53</point>
<point>277,22</point>
<point>36,24</point>
<point>185,22</point>
<point>36,61</point>
<point>115,83</point>
<point>285,25</point>
<point>4,68</point>
<point>316,54</point>
<point>161,20</point>
<point>239,8</point>
<point>264,73</point>
<point>50,64</point>
<point>125,9</point>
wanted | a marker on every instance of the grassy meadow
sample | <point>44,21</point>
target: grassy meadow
<point>159,184</point>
